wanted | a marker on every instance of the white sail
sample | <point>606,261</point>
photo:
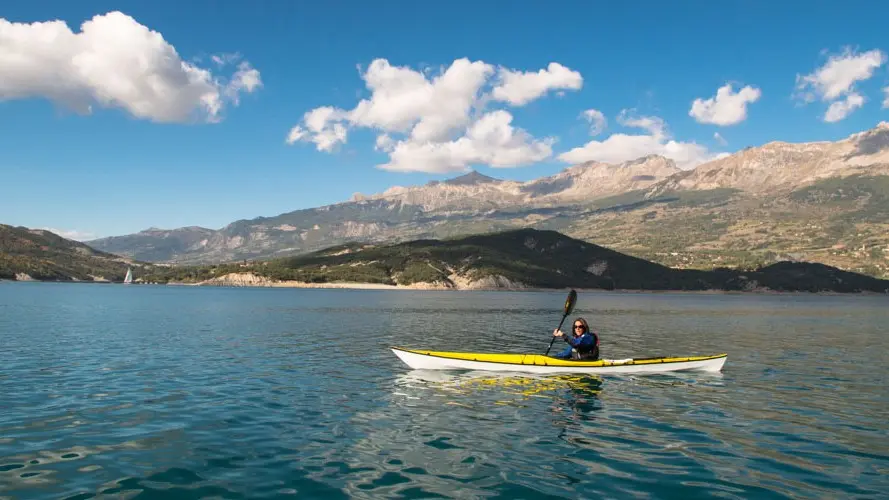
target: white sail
<point>129,276</point>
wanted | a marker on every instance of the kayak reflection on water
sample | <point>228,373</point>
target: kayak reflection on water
<point>583,344</point>
<point>580,401</point>
<point>509,388</point>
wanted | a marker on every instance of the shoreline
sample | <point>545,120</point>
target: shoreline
<point>429,288</point>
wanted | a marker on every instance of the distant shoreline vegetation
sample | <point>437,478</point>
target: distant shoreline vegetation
<point>365,287</point>
<point>523,259</point>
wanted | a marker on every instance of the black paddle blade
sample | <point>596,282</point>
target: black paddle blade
<point>570,302</point>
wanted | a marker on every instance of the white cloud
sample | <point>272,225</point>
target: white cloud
<point>491,140</point>
<point>837,79</point>
<point>321,128</point>
<point>405,100</point>
<point>438,122</point>
<point>114,62</point>
<point>726,108</point>
<point>721,140</point>
<point>597,121</point>
<point>886,101</point>
<point>72,234</point>
<point>384,143</point>
<point>246,79</point>
<point>521,87</point>
<point>624,147</point>
<point>841,109</point>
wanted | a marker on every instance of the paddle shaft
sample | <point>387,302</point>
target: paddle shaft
<point>554,338</point>
<point>569,306</point>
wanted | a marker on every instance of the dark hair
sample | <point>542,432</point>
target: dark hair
<point>586,326</point>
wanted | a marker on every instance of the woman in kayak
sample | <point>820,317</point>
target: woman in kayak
<point>583,344</point>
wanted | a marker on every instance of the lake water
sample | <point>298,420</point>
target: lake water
<point>112,391</point>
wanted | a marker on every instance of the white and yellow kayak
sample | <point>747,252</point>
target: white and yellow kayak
<point>538,363</point>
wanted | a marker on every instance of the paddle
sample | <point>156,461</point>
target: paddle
<point>569,306</point>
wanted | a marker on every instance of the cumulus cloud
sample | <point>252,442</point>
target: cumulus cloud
<point>597,121</point>
<point>841,109</point>
<point>625,147</point>
<point>321,128</point>
<point>726,108</point>
<point>521,87</point>
<point>835,81</point>
<point>115,62</point>
<point>405,100</point>
<point>491,140</point>
<point>438,122</point>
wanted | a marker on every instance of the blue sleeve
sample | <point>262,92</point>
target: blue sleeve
<point>565,354</point>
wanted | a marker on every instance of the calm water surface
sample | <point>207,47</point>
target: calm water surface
<point>111,391</point>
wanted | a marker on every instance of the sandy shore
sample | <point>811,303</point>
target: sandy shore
<point>253,280</point>
<point>240,280</point>
<point>428,287</point>
<point>298,284</point>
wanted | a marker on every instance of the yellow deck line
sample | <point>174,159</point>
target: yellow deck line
<point>539,359</point>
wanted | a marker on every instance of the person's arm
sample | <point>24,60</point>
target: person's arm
<point>567,338</point>
<point>584,340</point>
<point>565,354</point>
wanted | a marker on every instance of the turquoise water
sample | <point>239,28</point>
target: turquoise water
<point>111,391</point>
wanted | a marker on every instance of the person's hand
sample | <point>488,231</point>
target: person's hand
<point>557,333</point>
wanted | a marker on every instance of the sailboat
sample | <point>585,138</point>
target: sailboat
<point>129,277</point>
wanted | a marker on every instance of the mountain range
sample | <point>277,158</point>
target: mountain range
<point>514,259</point>
<point>825,202</point>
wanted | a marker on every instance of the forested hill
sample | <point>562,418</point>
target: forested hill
<point>42,255</point>
<point>525,258</point>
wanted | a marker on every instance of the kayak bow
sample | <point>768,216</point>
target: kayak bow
<point>536,363</point>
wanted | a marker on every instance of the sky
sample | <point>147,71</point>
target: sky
<point>120,116</point>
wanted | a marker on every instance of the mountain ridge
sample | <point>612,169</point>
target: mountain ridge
<point>593,201</point>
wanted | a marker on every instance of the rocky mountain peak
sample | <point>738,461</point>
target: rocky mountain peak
<point>780,166</point>
<point>650,159</point>
<point>591,180</point>
<point>471,179</point>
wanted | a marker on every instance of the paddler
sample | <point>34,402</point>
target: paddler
<point>582,344</point>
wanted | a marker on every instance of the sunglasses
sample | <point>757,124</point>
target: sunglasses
<point>578,326</point>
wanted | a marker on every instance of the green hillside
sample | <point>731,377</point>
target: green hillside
<point>522,258</point>
<point>43,255</point>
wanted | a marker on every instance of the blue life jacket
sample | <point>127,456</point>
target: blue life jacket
<point>584,347</point>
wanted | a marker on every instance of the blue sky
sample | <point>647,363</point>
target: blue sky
<point>171,158</point>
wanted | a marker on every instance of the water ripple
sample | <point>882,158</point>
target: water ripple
<point>178,392</point>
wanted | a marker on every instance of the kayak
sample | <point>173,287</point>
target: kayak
<point>538,363</point>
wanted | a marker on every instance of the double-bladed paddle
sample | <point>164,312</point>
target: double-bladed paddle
<point>569,306</point>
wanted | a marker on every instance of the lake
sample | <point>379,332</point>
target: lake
<point>114,391</point>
